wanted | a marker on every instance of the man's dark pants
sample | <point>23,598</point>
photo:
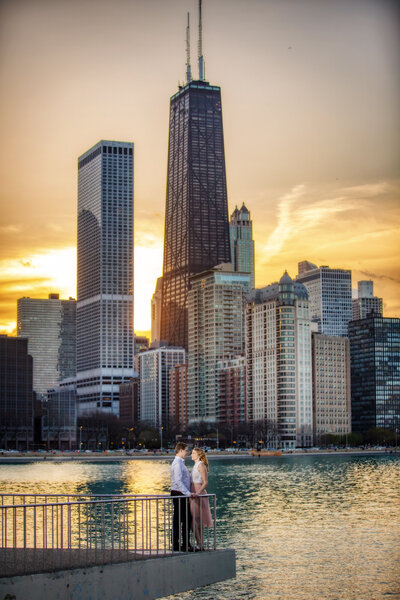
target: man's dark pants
<point>181,523</point>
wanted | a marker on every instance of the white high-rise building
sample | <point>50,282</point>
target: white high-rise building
<point>105,338</point>
<point>278,352</point>
<point>366,302</point>
<point>154,371</point>
<point>216,332</point>
<point>242,243</point>
<point>50,326</point>
<point>329,295</point>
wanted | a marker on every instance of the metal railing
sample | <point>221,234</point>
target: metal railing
<point>50,532</point>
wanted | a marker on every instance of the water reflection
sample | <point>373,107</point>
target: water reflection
<point>305,528</point>
<point>134,477</point>
<point>311,528</point>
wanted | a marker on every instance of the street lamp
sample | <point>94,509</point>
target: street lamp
<point>80,438</point>
<point>161,430</point>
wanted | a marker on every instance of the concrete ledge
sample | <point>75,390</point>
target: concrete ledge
<point>135,580</point>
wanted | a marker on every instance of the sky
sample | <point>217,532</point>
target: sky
<point>311,96</point>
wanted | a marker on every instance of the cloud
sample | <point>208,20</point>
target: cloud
<point>296,215</point>
<point>368,190</point>
<point>284,227</point>
<point>34,238</point>
<point>10,229</point>
<point>356,228</point>
<point>19,285</point>
<point>380,276</point>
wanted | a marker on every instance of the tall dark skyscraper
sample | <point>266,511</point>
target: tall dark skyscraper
<point>196,236</point>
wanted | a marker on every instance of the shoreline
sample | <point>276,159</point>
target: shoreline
<point>97,457</point>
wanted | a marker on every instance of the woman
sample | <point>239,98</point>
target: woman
<point>199,507</point>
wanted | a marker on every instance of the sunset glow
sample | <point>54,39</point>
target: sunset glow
<point>310,95</point>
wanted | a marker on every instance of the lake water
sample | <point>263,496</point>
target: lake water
<point>304,527</point>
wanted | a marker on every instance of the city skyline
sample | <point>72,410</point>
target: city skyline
<point>310,93</point>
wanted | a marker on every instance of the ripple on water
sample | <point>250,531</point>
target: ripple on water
<point>305,528</point>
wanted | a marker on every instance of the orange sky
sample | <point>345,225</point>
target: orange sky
<point>310,92</point>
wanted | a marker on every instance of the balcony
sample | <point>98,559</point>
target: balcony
<point>103,546</point>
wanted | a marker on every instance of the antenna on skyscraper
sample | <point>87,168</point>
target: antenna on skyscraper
<point>201,60</point>
<point>188,68</point>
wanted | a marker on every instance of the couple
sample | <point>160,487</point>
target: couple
<point>190,510</point>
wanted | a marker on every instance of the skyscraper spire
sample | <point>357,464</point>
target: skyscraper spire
<point>201,59</point>
<point>188,68</point>
<point>196,214</point>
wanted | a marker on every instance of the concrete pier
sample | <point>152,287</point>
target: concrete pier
<point>134,580</point>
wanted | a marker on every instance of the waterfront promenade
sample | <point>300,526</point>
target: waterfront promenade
<point>127,456</point>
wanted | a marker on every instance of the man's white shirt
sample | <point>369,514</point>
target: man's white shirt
<point>180,477</point>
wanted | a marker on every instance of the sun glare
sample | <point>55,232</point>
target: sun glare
<point>49,271</point>
<point>148,266</point>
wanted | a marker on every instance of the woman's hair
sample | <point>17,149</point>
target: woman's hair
<point>202,456</point>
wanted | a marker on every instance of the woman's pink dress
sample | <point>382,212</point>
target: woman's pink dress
<point>199,507</point>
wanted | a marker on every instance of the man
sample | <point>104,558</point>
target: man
<point>180,490</point>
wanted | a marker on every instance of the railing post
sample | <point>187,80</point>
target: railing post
<point>215,522</point>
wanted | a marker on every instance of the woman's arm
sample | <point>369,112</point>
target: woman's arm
<point>203,473</point>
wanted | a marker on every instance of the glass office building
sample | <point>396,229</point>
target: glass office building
<point>105,339</point>
<point>16,393</point>
<point>330,297</point>
<point>375,373</point>
<point>154,368</point>
<point>60,417</point>
<point>196,218</point>
<point>366,302</point>
<point>50,326</point>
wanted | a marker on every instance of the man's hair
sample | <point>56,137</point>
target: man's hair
<point>180,446</point>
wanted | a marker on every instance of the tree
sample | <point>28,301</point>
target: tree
<point>149,437</point>
<point>379,436</point>
<point>267,432</point>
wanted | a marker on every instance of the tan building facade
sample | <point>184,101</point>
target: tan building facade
<point>278,352</point>
<point>331,386</point>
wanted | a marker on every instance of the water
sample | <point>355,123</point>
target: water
<point>304,527</point>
